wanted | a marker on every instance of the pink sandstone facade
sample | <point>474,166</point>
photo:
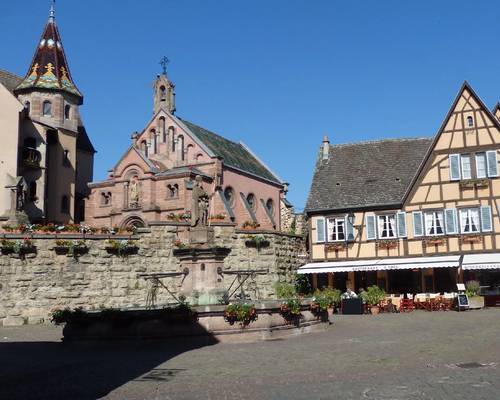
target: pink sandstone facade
<point>153,180</point>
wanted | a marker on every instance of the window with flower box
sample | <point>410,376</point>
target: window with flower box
<point>462,168</point>
<point>336,229</point>
<point>434,224</point>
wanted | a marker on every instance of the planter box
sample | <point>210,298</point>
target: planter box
<point>476,302</point>
<point>124,252</point>
<point>78,250</point>
<point>471,239</point>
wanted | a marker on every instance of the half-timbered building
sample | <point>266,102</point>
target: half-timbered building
<point>410,215</point>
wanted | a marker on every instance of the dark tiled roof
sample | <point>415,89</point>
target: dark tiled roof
<point>366,174</point>
<point>9,80</point>
<point>83,141</point>
<point>234,154</point>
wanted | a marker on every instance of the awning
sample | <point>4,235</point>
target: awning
<point>381,264</point>
<point>481,261</point>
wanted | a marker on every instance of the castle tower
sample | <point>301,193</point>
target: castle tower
<point>164,91</point>
<point>48,90</point>
<point>56,157</point>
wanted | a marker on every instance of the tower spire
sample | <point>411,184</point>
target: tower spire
<point>52,11</point>
<point>49,68</point>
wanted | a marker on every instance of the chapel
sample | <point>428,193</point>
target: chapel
<point>153,180</point>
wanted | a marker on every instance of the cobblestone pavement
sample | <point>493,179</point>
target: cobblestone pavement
<point>421,355</point>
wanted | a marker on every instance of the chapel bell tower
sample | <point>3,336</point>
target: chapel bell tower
<point>164,91</point>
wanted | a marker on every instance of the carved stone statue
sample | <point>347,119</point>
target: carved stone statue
<point>21,195</point>
<point>134,192</point>
<point>200,204</point>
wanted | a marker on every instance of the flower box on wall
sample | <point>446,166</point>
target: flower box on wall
<point>388,244</point>
<point>336,246</point>
<point>471,239</point>
<point>471,183</point>
<point>70,248</point>
<point>434,241</point>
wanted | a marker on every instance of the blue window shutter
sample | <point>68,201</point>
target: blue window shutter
<point>491,161</point>
<point>486,225</point>
<point>371,231</point>
<point>454,167</point>
<point>349,229</point>
<point>320,230</point>
<point>401,221</point>
<point>450,221</point>
<point>418,226</point>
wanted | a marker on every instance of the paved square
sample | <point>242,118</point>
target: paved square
<point>421,355</point>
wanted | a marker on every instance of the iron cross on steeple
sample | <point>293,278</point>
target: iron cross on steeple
<point>164,62</point>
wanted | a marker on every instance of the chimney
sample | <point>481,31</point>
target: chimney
<point>326,147</point>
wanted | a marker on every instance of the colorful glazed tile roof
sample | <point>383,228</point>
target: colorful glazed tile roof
<point>49,68</point>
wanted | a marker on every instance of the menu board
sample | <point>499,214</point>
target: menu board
<point>463,300</point>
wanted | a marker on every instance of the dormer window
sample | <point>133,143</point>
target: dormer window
<point>470,122</point>
<point>67,111</point>
<point>47,109</point>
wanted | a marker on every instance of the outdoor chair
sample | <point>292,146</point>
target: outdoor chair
<point>407,305</point>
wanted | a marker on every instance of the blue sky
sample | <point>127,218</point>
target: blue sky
<point>275,74</point>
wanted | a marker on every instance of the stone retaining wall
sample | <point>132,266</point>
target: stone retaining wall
<point>32,286</point>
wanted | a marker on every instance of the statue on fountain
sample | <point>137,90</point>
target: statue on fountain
<point>200,204</point>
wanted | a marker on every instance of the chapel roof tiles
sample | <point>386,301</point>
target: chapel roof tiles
<point>234,154</point>
<point>366,174</point>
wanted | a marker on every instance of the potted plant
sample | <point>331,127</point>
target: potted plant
<point>257,241</point>
<point>472,289</point>
<point>70,247</point>
<point>471,239</point>
<point>243,313</point>
<point>250,225</point>
<point>373,296</point>
<point>217,217</point>
<point>323,301</point>
<point>122,248</point>
<point>19,247</point>
<point>290,310</point>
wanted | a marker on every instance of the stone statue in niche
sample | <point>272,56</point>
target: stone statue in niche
<point>21,195</point>
<point>200,204</point>
<point>134,196</point>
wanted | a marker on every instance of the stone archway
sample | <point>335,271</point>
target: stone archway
<point>133,221</point>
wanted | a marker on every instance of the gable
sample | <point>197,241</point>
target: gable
<point>496,111</point>
<point>468,128</point>
<point>456,133</point>
<point>133,157</point>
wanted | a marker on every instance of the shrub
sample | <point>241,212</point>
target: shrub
<point>472,288</point>
<point>285,290</point>
<point>290,308</point>
<point>302,284</point>
<point>326,298</point>
<point>373,295</point>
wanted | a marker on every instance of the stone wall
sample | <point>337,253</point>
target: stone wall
<point>32,286</point>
